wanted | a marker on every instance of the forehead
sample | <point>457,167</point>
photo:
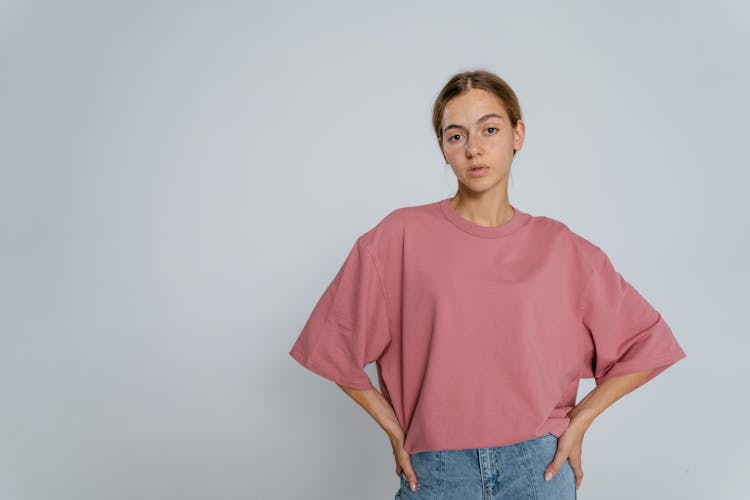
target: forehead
<point>469,106</point>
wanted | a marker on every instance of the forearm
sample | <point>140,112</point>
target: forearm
<point>602,396</point>
<point>379,409</point>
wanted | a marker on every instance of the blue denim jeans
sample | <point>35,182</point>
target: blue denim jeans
<point>512,472</point>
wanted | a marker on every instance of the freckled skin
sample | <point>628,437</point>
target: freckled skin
<point>484,199</point>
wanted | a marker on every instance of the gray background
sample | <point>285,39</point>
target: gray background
<point>180,181</point>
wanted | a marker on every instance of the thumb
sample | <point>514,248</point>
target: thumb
<point>408,472</point>
<point>554,466</point>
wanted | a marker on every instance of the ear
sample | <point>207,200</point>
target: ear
<point>518,135</point>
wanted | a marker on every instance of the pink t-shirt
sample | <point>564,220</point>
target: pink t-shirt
<point>480,334</point>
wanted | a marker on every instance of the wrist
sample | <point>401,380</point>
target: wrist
<point>581,417</point>
<point>395,434</point>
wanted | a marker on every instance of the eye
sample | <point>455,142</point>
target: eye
<point>488,128</point>
<point>450,139</point>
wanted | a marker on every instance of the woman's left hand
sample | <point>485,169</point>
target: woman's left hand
<point>568,447</point>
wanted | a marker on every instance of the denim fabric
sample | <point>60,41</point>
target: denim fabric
<point>512,472</point>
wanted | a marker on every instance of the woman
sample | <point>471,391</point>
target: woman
<point>482,319</point>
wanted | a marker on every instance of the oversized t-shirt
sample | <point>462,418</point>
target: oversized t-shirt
<point>480,334</point>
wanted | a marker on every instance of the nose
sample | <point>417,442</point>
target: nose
<point>472,146</point>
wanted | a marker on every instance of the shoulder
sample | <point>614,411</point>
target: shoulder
<point>412,213</point>
<point>556,231</point>
<point>394,224</point>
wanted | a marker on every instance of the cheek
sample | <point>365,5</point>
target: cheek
<point>502,140</point>
<point>453,152</point>
<point>504,146</point>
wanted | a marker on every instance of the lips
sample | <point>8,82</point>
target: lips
<point>478,171</point>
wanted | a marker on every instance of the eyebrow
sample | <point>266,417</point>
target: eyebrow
<point>485,117</point>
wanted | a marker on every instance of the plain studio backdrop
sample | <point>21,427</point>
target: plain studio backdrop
<point>181,181</point>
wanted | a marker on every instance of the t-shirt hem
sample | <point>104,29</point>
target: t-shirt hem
<point>333,377</point>
<point>657,364</point>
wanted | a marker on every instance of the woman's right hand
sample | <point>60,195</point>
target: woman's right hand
<point>403,462</point>
<point>381,410</point>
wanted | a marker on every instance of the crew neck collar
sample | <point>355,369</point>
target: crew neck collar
<point>519,219</point>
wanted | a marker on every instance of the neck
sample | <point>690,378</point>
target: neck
<point>487,210</point>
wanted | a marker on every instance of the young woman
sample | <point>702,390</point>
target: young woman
<point>482,319</point>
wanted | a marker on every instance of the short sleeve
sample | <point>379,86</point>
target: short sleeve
<point>625,334</point>
<point>348,328</point>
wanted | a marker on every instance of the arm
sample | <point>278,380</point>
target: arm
<point>381,410</point>
<point>602,396</point>
<point>583,414</point>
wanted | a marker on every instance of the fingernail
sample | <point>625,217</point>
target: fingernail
<point>413,486</point>
<point>548,476</point>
